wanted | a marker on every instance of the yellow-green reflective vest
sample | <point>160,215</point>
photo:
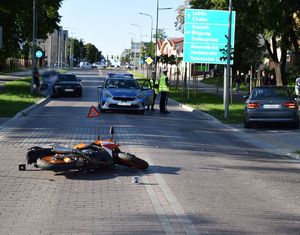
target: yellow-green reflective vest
<point>163,84</point>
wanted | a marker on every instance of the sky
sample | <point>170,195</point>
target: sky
<point>108,24</point>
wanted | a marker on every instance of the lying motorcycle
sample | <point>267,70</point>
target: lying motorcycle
<point>96,155</point>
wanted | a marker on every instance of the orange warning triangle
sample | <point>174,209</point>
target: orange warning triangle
<point>93,112</point>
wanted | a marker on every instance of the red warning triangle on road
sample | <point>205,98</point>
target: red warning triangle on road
<point>93,112</point>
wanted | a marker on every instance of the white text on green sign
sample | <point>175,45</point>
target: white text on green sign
<point>205,34</point>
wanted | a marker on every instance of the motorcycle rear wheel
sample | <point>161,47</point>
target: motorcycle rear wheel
<point>52,164</point>
<point>131,160</point>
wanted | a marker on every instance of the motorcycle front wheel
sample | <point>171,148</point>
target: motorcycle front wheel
<point>131,160</point>
<point>53,164</point>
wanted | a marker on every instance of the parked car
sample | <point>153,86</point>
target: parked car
<point>85,65</point>
<point>271,104</point>
<point>99,65</point>
<point>67,85</point>
<point>130,67</point>
<point>123,93</point>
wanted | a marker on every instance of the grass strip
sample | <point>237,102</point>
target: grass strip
<point>16,96</point>
<point>211,104</point>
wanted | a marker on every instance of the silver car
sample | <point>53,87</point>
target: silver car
<point>123,93</point>
<point>271,104</point>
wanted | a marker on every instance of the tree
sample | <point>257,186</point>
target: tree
<point>280,29</point>
<point>147,50</point>
<point>161,34</point>
<point>91,53</point>
<point>19,30</point>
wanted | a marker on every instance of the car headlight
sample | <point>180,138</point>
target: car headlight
<point>107,94</point>
<point>140,95</point>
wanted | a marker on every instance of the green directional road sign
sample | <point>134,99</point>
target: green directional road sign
<point>205,34</point>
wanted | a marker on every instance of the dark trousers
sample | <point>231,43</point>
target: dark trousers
<point>163,101</point>
<point>153,101</point>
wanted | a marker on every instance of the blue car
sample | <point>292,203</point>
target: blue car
<point>124,93</point>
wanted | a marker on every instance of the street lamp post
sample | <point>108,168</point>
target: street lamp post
<point>151,25</point>
<point>156,32</point>
<point>137,25</point>
<point>134,61</point>
<point>151,37</point>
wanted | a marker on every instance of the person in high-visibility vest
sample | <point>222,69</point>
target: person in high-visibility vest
<point>154,87</point>
<point>163,88</point>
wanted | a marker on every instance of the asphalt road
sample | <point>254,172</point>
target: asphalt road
<point>204,177</point>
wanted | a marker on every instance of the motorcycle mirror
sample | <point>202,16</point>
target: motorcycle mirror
<point>112,132</point>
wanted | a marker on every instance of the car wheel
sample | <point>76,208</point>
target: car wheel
<point>296,124</point>
<point>101,109</point>
<point>247,124</point>
<point>54,95</point>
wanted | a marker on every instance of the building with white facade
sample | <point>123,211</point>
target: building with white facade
<point>56,48</point>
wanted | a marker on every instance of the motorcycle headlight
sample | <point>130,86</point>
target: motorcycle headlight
<point>107,94</point>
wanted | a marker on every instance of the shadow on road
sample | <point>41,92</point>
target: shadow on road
<point>116,171</point>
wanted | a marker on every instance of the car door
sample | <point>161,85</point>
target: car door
<point>148,91</point>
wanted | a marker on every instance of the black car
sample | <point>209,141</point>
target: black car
<point>268,104</point>
<point>67,85</point>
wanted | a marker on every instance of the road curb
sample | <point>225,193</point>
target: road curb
<point>191,109</point>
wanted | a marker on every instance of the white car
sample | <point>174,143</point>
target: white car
<point>85,65</point>
<point>99,65</point>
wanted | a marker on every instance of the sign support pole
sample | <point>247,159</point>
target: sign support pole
<point>33,46</point>
<point>226,89</point>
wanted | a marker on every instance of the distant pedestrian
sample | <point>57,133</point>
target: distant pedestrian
<point>243,79</point>
<point>272,80</point>
<point>265,78</point>
<point>36,79</point>
<point>163,88</point>
<point>297,86</point>
<point>247,81</point>
<point>238,80</point>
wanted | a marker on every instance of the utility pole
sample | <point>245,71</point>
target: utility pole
<point>156,37</point>
<point>33,45</point>
<point>226,88</point>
